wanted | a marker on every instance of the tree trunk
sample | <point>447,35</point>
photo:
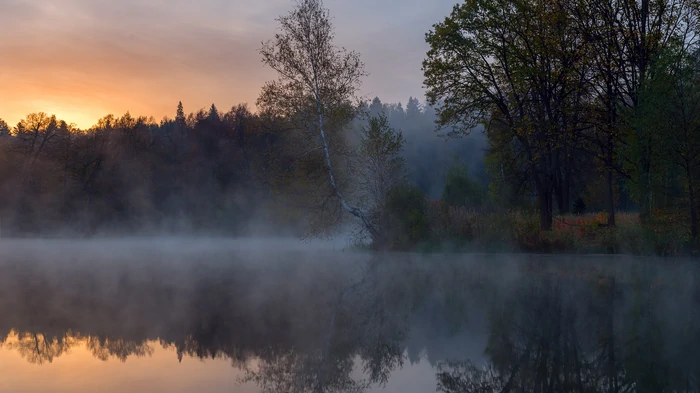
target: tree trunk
<point>610,193</point>
<point>645,198</point>
<point>559,182</point>
<point>563,200</point>
<point>566,189</point>
<point>693,211</point>
<point>545,199</point>
<point>350,209</point>
<point>610,202</point>
<point>560,200</point>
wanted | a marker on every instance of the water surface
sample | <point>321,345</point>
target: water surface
<point>183,315</point>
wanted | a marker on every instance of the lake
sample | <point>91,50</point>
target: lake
<point>187,315</point>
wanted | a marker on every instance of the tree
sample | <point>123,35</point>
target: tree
<point>395,113</point>
<point>625,37</point>
<point>214,114</point>
<point>413,109</point>
<point>643,29</point>
<point>4,128</point>
<point>380,153</point>
<point>511,62</point>
<point>670,112</point>
<point>180,116</point>
<point>381,167</point>
<point>460,189</point>
<point>317,81</point>
<point>241,123</point>
<point>35,134</point>
<point>407,213</point>
<point>376,107</point>
<point>604,137</point>
<point>685,136</point>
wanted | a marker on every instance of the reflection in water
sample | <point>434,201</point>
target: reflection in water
<point>563,335</point>
<point>104,348</point>
<point>360,325</point>
<point>38,347</point>
<point>347,325</point>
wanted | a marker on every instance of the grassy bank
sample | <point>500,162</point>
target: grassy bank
<point>460,229</point>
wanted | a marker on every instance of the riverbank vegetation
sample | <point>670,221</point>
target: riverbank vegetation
<point>486,226</point>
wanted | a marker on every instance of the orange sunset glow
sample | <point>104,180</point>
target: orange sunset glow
<point>82,60</point>
<point>78,368</point>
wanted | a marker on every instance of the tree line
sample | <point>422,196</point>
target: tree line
<point>311,154</point>
<point>206,171</point>
<point>590,102</point>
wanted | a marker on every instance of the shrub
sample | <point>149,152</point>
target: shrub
<point>579,206</point>
<point>462,228</point>
<point>407,215</point>
<point>631,239</point>
<point>461,190</point>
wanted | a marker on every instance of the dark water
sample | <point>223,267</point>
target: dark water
<point>186,316</point>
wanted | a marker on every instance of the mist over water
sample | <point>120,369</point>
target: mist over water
<point>269,315</point>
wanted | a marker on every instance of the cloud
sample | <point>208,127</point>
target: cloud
<point>105,56</point>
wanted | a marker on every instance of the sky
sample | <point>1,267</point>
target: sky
<point>84,59</point>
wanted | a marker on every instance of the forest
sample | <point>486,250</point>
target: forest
<point>547,126</point>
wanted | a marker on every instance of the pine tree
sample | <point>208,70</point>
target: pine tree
<point>4,128</point>
<point>376,108</point>
<point>214,113</point>
<point>413,108</point>
<point>180,117</point>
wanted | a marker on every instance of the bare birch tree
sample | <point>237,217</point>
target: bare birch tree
<point>316,80</point>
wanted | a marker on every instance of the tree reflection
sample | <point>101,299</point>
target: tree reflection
<point>468,378</point>
<point>554,335</point>
<point>40,348</point>
<point>103,348</point>
<point>295,372</point>
<point>308,327</point>
<point>360,328</point>
<point>308,333</point>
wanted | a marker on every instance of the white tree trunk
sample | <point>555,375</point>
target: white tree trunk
<point>350,209</point>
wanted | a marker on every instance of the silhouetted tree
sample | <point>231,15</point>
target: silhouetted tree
<point>180,116</point>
